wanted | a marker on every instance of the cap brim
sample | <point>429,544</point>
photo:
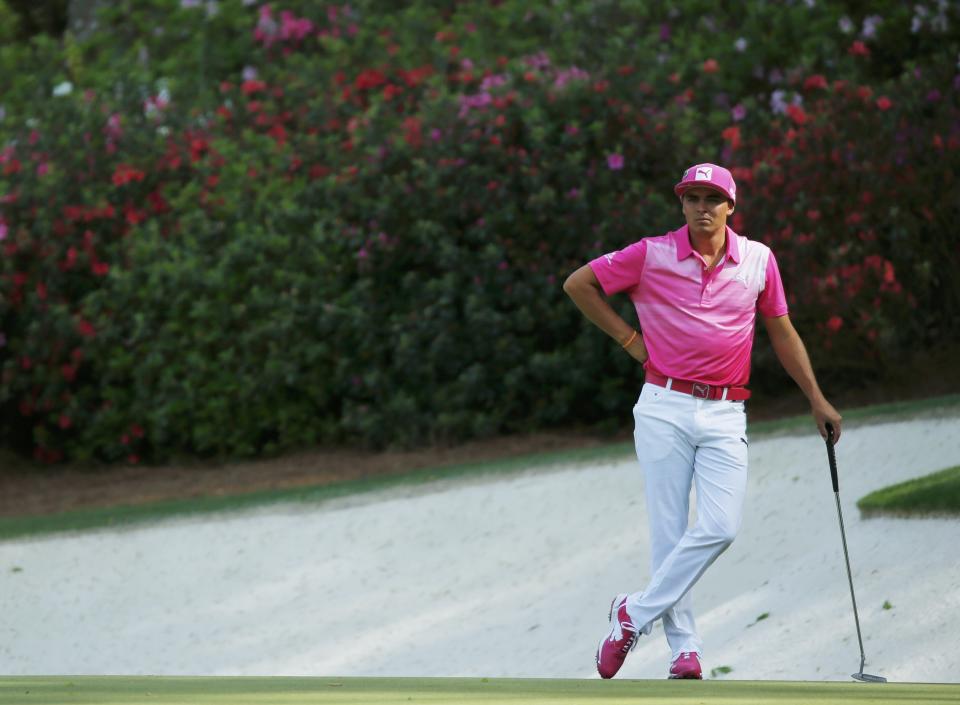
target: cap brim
<point>685,186</point>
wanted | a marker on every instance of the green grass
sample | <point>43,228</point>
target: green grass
<point>934,494</point>
<point>104,690</point>
<point>19,526</point>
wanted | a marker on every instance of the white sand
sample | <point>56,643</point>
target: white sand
<point>508,576</point>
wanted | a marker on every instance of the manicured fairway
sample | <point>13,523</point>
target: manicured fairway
<point>97,690</point>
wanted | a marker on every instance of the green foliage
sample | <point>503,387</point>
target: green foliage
<point>937,493</point>
<point>237,228</point>
<point>27,18</point>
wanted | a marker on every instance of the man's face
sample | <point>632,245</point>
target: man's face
<point>705,209</point>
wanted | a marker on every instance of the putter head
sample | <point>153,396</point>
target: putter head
<point>867,678</point>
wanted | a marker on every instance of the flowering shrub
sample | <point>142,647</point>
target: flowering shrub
<point>236,228</point>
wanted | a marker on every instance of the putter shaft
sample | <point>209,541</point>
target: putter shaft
<point>853,597</point>
<point>860,675</point>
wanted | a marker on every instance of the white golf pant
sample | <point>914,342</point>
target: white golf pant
<point>683,441</point>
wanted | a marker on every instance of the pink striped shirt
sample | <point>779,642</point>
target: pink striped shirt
<point>697,325</point>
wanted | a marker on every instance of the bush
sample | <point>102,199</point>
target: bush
<point>233,229</point>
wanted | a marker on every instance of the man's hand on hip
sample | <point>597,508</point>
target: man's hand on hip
<point>638,350</point>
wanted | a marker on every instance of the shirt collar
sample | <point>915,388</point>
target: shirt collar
<point>682,239</point>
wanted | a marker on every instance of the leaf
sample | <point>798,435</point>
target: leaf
<point>719,671</point>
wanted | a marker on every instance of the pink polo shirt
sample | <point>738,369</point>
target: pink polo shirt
<point>696,325</point>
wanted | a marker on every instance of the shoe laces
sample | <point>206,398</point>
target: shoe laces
<point>631,641</point>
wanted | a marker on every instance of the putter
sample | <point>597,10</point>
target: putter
<point>859,675</point>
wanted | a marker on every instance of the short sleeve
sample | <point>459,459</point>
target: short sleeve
<point>620,270</point>
<point>772,301</point>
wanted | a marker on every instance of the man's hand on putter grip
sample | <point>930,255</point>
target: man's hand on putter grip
<point>824,413</point>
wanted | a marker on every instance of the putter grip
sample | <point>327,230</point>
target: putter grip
<point>833,458</point>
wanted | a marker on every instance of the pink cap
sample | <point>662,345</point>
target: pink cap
<point>711,176</point>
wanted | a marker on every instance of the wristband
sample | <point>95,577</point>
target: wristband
<point>630,340</point>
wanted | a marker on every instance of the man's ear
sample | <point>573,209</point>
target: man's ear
<point>732,207</point>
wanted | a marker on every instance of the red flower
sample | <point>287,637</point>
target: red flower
<point>390,91</point>
<point>711,66</point>
<point>815,81</point>
<point>85,328</point>
<point>884,103</point>
<point>278,133</point>
<point>732,135</point>
<point>412,132</point>
<point>65,422</point>
<point>370,78</point>
<point>251,87</point>
<point>416,76</point>
<point>133,215</point>
<point>157,202</point>
<point>858,48</point>
<point>797,114</point>
<point>125,173</point>
<point>834,324</point>
<point>198,147</point>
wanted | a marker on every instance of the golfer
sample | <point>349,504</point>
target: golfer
<point>697,291</point>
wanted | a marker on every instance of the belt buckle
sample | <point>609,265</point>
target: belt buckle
<point>700,390</point>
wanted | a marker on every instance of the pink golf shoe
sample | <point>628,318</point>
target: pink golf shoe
<point>686,665</point>
<point>618,642</point>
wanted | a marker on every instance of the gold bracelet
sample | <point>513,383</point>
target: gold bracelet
<point>630,340</point>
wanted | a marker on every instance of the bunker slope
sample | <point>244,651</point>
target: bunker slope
<point>506,576</point>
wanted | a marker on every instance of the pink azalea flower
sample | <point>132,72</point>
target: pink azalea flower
<point>615,162</point>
